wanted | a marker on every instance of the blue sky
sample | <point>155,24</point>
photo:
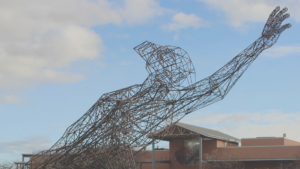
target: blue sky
<point>58,57</point>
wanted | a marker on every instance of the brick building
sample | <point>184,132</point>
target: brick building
<point>187,143</point>
<point>253,153</point>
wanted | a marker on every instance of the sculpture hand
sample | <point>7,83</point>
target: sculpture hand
<point>273,28</point>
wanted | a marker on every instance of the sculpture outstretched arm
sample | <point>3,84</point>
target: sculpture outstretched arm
<point>217,86</point>
<point>232,71</point>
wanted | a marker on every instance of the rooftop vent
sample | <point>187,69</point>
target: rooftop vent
<point>284,134</point>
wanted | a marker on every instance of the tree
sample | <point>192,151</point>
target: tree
<point>6,165</point>
<point>294,165</point>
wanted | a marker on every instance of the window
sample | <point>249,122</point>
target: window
<point>191,155</point>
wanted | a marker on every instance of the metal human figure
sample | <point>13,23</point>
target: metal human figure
<point>124,119</point>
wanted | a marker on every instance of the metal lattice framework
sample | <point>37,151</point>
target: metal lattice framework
<point>104,137</point>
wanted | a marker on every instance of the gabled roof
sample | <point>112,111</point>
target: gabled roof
<point>208,132</point>
<point>190,132</point>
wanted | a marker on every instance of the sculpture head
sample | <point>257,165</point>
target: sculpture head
<point>170,63</point>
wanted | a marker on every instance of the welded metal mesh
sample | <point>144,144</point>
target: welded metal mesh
<point>104,137</point>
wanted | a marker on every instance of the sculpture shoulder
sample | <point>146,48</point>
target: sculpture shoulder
<point>120,94</point>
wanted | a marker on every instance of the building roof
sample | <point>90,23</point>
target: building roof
<point>195,131</point>
<point>208,132</point>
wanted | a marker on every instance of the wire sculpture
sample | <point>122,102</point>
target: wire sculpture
<point>104,137</point>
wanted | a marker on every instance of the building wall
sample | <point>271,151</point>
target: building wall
<point>220,143</point>
<point>268,142</point>
<point>209,146</point>
<point>175,146</point>
<point>248,152</point>
<point>147,156</point>
<point>290,142</point>
<point>263,152</point>
<point>262,142</point>
<point>231,144</point>
<point>264,164</point>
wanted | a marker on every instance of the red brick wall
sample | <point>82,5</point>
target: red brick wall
<point>260,152</point>
<point>209,146</point>
<point>175,146</point>
<point>147,156</point>
<point>262,142</point>
<point>231,144</point>
<point>290,142</point>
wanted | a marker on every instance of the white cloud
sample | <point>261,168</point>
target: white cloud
<point>40,38</point>
<point>23,62</point>
<point>182,20</point>
<point>239,12</point>
<point>11,99</point>
<point>26,145</point>
<point>137,11</point>
<point>282,51</point>
<point>249,125</point>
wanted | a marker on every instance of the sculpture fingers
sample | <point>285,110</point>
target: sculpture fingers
<point>282,19</point>
<point>279,16</point>
<point>272,15</point>
<point>284,27</point>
